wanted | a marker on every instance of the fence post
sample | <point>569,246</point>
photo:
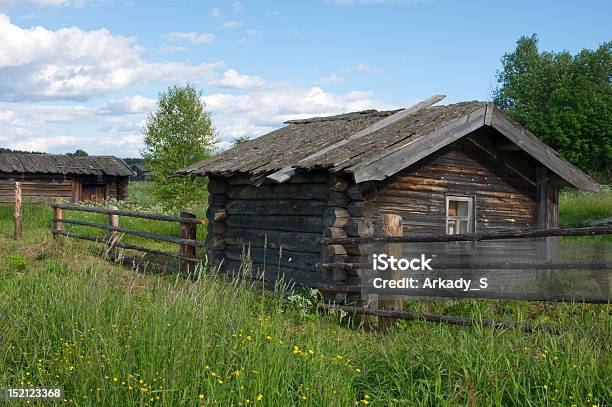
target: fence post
<point>188,231</point>
<point>58,215</point>
<point>113,221</point>
<point>17,210</point>
<point>391,226</point>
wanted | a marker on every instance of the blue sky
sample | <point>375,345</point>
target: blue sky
<point>84,73</point>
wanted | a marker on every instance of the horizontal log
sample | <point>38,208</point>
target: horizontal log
<point>242,179</point>
<point>474,237</point>
<point>122,245</point>
<point>277,207</point>
<point>297,241</point>
<point>273,273</point>
<point>274,257</point>
<point>493,265</point>
<point>143,215</point>
<point>278,191</point>
<point>462,321</point>
<point>476,295</point>
<point>309,224</point>
<point>148,235</point>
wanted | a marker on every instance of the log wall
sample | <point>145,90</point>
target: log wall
<point>46,187</point>
<point>503,186</point>
<point>504,191</point>
<point>275,227</point>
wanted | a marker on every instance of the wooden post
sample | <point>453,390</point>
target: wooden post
<point>17,210</point>
<point>391,226</point>
<point>58,215</point>
<point>113,220</point>
<point>188,231</point>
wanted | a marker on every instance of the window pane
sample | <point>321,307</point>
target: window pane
<point>463,226</point>
<point>452,208</point>
<point>462,208</point>
<point>451,227</point>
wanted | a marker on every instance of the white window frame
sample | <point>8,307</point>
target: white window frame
<point>470,218</point>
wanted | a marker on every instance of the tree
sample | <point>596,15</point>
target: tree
<point>241,140</point>
<point>78,153</point>
<point>564,99</point>
<point>178,133</point>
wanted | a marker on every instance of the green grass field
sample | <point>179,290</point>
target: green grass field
<point>111,336</point>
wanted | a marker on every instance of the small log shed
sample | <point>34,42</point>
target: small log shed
<point>460,168</point>
<point>45,176</point>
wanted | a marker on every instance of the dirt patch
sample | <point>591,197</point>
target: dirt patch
<point>37,251</point>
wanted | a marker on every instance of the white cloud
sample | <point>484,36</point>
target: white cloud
<point>58,129</point>
<point>190,37</point>
<point>215,12</point>
<point>232,79</point>
<point>237,7</point>
<point>261,112</point>
<point>363,68</point>
<point>128,105</point>
<point>232,24</point>
<point>69,63</point>
<point>333,78</point>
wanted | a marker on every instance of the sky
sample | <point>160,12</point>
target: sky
<point>84,74</point>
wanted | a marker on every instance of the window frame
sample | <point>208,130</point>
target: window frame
<point>470,212</point>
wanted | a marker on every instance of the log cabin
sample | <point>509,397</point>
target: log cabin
<point>460,168</point>
<point>46,176</point>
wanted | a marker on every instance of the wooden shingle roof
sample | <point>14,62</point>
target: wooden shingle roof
<point>21,163</point>
<point>373,145</point>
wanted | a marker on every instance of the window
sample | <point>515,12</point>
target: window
<point>459,215</point>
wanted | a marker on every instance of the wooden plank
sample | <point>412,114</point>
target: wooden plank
<point>188,233</point>
<point>391,227</point>
<point>18,226</point>
<point>403,155</point>
<point>274,257</point>
<point>285,173</point>
<point>473,237</point>
<point>143,215</point>
<point>122,245</point>
<point>309,224</point>
<point>273,192</point>
<point>153,236</point>
<point>296,241</point>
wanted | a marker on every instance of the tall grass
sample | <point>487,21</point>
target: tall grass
<point>114,337</point>
<point>111,336</point>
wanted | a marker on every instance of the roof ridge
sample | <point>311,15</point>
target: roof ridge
<point>343,116</point>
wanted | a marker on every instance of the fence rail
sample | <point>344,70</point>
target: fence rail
<point>471,237</point>
<point>187,241</point>
<point>390,305</point>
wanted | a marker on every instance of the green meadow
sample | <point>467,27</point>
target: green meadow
<point>113,336</point>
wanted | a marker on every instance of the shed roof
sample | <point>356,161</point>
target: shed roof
<point>63,164</point>
<point>343,143</point>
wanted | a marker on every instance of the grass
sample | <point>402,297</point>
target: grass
<point>578,206</point>
<point>111,336</point>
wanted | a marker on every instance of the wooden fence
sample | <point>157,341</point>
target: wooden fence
<point>187,241</point>
<point>390,307</point>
